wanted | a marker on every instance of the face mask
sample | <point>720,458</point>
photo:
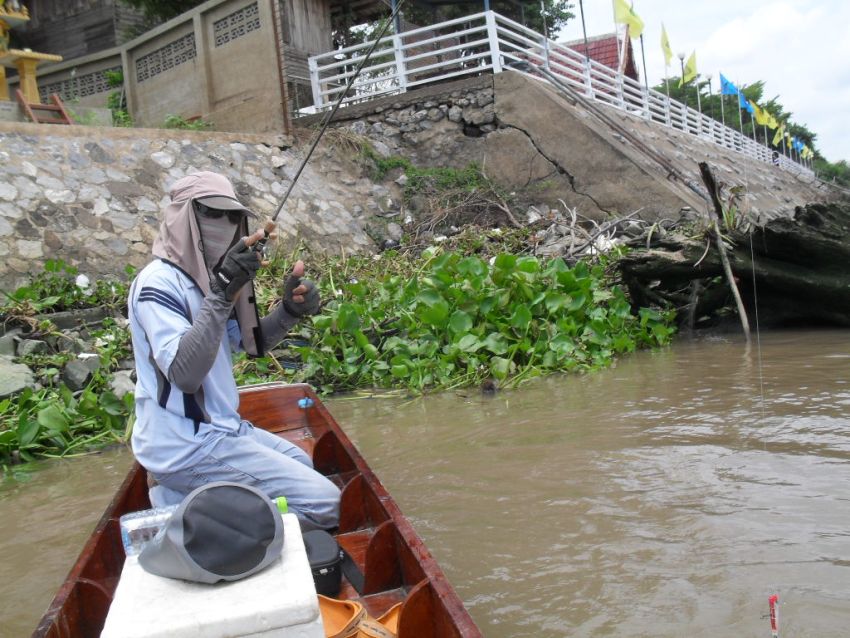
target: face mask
<point>217,236</point>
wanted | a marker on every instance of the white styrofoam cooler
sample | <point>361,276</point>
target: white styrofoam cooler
<point>278,601</point>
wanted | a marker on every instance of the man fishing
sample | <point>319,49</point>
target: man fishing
<point>189,309</point>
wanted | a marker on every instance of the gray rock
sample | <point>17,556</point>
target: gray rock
<point>394,231</point>
<point>122,383</point>
<point>455,114</point>
<point>76,374</point>
<point>8,342</point>
<point>14,377</point>
<point>477,117</point>
<point>72,318</point>
<point>31,346</point>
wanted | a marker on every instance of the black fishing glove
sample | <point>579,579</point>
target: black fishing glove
<point>310,305</point>
<point>237,267</point>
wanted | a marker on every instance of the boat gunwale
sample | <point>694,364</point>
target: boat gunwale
<point>434,575</point>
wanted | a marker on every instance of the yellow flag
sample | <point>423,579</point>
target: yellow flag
<point>624,14</point>
<point>771,121</point>
<point>690,69</point>
<point>665,46</point>
<point>760,114</point>
<point>778,137</point>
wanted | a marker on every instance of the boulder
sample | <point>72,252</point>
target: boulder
<point>14,377</point>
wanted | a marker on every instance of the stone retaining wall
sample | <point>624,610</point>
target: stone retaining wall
<point>92,197</point>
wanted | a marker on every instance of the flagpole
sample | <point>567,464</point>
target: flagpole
<point>545,35</point>
<point>617,37</point>
<point>740,120</point>
<point>643,57</point>
<point>699,102</point>
<point>583,28</point>
<point>710,97</point>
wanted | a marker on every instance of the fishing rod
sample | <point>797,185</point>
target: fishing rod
<point>270,223</point>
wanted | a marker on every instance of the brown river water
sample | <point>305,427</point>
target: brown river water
<point>669,495</point>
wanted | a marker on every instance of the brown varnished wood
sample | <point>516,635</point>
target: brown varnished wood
<point>382,570</point>
<point>360,507</point>
<point>330,456</point>
<point>396,564</point>
<point>422,616</point>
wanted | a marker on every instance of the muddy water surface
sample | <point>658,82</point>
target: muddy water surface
<point>667,496</point>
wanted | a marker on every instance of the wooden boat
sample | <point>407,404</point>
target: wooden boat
<point>396,565</point>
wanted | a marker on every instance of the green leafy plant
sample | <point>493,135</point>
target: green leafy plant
<point>56,289</point>
<point>85,119</point>
<point>179,122</point>
<point>116,100</point>
<point>446,319</point>
<point>57,422</point>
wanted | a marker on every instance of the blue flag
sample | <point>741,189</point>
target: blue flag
<point>743,103</point>
<point>726,87</point>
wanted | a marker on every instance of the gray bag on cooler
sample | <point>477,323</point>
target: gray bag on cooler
<point>221,531</point>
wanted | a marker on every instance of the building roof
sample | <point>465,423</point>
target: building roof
<point>603,49</point>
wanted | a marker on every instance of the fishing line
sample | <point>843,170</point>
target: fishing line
<point>327,120</point>
<point>758,332</point>
<point>756,306</point>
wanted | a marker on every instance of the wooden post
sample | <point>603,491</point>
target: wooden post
<point>711,185</point>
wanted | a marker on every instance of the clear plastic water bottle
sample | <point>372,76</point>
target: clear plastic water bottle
<point>138,528</point>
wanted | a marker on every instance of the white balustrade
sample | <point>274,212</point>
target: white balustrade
<point>487,42</point>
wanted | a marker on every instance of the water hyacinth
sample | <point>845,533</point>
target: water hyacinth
<point>460,320</point>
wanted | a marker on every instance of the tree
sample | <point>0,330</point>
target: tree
<point>557,12</point>
<point>163,9</point>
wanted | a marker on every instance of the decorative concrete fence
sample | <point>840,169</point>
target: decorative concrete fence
<point>221,61</point>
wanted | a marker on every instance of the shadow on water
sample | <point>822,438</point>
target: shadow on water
<point>667,496</point>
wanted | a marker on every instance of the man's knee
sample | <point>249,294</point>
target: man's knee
<point>320,510</point>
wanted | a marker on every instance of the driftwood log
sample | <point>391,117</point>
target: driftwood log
<point>789,271</point>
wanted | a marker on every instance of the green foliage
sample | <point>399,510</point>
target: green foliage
<point>424,180</point>
<point>445,320</point>
<point>179,122</point>
<point>58,422</point>
<point>84,119</point>
<point>53,421</point>
<point>163,9</point>
<point>116,101</point>
<point>56,289</point>
<point>838,173</point>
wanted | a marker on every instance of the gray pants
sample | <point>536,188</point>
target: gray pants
<point>268,462</point>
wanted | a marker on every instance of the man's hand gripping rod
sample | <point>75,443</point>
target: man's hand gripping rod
<point>269,224</point>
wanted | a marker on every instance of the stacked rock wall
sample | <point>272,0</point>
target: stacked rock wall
<point>92,197</point>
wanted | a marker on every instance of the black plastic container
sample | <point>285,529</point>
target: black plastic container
<point>325,558</point>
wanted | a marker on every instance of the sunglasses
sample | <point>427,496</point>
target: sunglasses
<point>233,216</point>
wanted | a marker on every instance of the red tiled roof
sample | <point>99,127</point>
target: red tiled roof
<point>603,49</point>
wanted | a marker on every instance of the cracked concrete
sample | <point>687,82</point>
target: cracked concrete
<point>547,148</point>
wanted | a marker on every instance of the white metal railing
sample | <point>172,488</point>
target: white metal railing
<point>489,43</point>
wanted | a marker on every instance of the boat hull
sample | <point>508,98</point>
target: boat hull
<point>396,564</point>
